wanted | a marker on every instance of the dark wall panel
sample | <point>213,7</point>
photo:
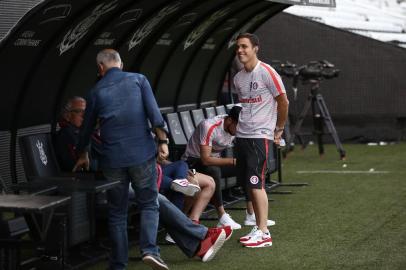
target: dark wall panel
<point>172,37</point>
<point>175,67</point>
<point>11,11</point>
<point>118,31</point>
<point>163,63</point>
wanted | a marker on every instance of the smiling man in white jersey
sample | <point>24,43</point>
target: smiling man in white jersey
<point>264,111</point>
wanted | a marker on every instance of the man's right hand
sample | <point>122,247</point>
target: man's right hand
<point>82,162</point>
<point>278,136</point>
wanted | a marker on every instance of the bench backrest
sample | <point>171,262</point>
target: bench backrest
<point>210,112</point>
<point>187,124</point>
<point>175,129</point>
<point>198,116</point>
<point>220,110</point>
<point>38,156</point>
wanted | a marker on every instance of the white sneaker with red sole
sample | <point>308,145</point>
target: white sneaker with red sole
<point>258,239</point>
<point>183,186</point>
<point>247,237</point>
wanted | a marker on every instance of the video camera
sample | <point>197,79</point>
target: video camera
<point>318,70</point>
<point>287,69</point>
<point>313,70</point>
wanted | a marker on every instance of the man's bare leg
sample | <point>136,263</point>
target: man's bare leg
<point>201,200</point>
<point>260,204</point>
<point>250,207</point>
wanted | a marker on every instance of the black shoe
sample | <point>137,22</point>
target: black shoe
<point>155,262</point>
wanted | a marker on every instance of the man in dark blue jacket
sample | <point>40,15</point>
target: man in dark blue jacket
<point>67,137</point>
<point>123,103</point>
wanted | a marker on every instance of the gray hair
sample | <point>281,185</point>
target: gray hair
<point>108,56</point>
<point>68,105</point>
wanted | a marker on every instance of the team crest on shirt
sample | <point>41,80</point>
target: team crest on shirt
<point>254,180</point>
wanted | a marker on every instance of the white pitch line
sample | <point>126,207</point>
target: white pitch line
<point>344,172</point>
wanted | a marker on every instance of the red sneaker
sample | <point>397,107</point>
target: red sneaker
<point>209,246</point>
<point>228,231</point>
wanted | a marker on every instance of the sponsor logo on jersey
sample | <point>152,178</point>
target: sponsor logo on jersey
<point>254,179</point>
<point>257,99</point>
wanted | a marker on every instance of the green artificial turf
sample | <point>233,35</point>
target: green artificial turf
<point>353,220</point>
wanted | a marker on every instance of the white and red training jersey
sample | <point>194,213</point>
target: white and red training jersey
<point>257,91</point>
<point>209,132</point>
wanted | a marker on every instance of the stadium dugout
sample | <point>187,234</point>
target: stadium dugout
<point>48,53</point>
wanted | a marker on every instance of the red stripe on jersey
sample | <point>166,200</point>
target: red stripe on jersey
<point>265,163</point>
<point>210,132</point>
<point>274,79</point>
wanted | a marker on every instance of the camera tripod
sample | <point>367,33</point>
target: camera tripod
<point>321,118</point>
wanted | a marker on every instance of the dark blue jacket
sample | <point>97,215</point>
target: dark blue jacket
<point>65,142</point>
<point>123,102</point>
